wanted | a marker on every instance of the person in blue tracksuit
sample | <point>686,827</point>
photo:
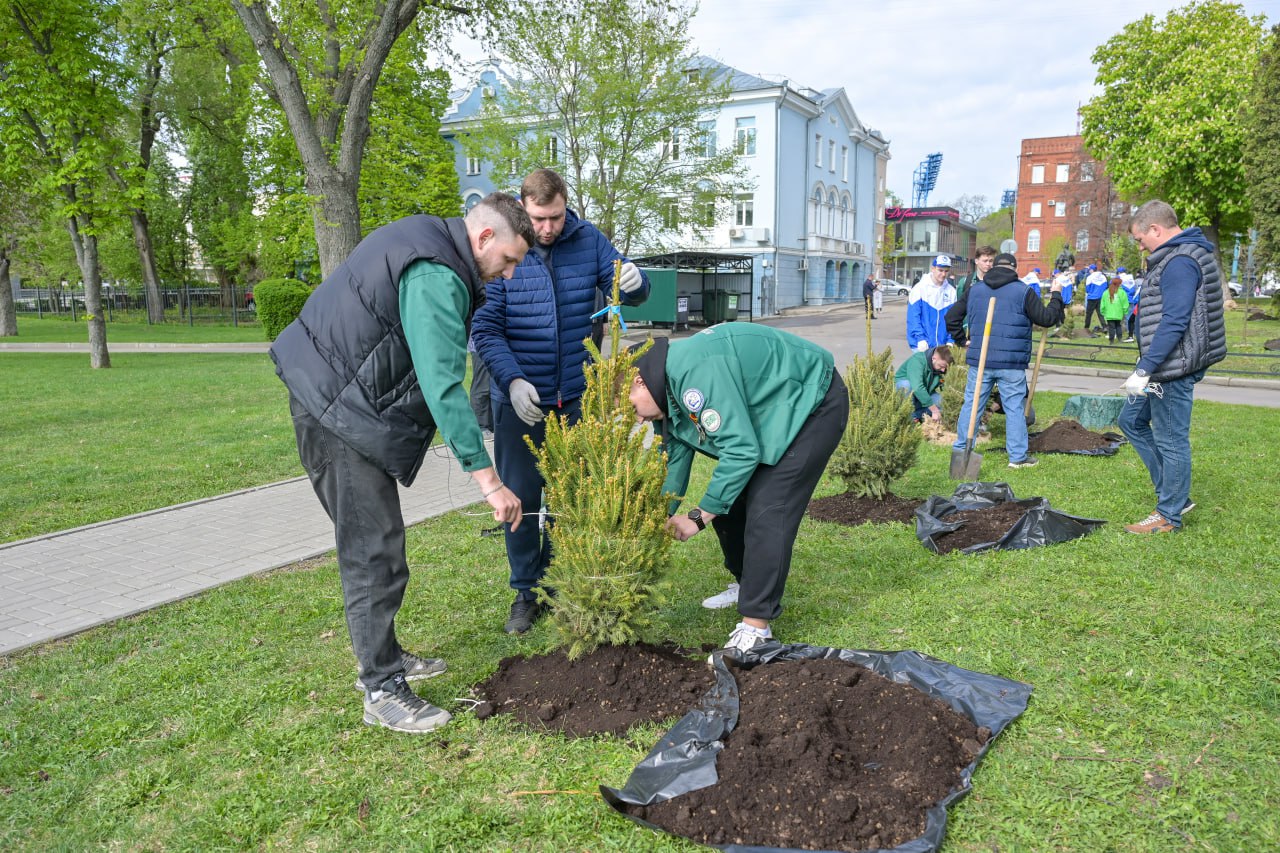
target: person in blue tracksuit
<point>927,305</point>
<point>530,334</point>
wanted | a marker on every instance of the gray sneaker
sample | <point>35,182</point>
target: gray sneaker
<point>415,668</point>
<point>1025,462</point>
<point>402,710</point>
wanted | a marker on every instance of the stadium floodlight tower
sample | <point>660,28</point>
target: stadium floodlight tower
<point>925,178</point>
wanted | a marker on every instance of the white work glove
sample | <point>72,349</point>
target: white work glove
<point>1136,384</point>
<point>629,279</point>
<point>922,346</point>
<point>525,400</point>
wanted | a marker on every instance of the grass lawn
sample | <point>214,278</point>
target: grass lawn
<point>228,721</point>
<point>62,330</point>
<point>86,445</point>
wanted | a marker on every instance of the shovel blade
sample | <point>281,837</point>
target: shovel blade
<point>966,465</point>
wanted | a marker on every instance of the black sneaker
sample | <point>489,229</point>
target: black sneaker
<point>398,708</point>
<point>1190,506</point>
<point>524,612</point>
<point>1025,462</point>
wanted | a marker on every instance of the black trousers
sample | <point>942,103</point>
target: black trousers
<point>363,502</point>
<point>480,392</point>
<point>758,533</point>
<point>1090,306</point>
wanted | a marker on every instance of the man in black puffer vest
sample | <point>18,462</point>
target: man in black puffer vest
<point>1008,353</point>
<point>374,364</point>
<point>1180,331</point>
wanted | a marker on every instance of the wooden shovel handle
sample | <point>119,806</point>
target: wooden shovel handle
<point>982,363</point>
<point>1035,373</point>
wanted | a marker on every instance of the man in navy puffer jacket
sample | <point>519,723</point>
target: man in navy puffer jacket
<point>530,334</point>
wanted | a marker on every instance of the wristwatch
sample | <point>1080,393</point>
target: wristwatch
<point>695,515</point>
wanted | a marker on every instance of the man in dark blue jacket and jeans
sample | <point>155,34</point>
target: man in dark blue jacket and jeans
<point>1180,331</point>
<point>530,334</point>
<point>1009,351</point>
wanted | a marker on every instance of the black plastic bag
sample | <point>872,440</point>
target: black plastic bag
<point>1041,524</point>
<point>684,759</point>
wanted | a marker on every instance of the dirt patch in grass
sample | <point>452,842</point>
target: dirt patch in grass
<point>847,509</point>
<point>827,755</point>
<point>606,691</point>
<point>979,525</point>
<point>1066,436</point>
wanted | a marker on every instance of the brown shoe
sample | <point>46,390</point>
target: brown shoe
<point>1154,523</point>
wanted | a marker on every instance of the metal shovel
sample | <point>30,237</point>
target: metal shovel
<point>967,464</point>
<point>1035,375</point>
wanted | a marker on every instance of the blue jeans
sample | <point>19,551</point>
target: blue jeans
<point>921,412</point>
<point>1013,395</point>
<point>529,548</point>
<point>1159,428</point>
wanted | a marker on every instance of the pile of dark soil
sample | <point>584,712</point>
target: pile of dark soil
<point>1066,436</point>
<point>603,692</point>
<point>847,509</point>
<point>979,525</point>
<point>1260,315</point>
<point>1273,344</point>
<point>827,755</point>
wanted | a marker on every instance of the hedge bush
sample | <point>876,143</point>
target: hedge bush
<point>279,302</point>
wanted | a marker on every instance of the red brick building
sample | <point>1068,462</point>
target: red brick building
<point>1064,199</point>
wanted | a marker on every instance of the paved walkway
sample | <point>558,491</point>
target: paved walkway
<point>55,585</point>
<point>61,583</point>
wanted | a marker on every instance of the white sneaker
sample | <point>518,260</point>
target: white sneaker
<point>745,638</point>
<point>721,600</point>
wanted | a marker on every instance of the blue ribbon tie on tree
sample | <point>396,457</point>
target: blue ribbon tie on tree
<point>616,309</point>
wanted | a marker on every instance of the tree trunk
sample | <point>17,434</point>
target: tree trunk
<point>335,212</point>
<point>8,316</point>
<point>86,248</point>
<point>150,281</point>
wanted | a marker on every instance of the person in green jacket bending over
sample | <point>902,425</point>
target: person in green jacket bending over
<point>770,407</point>
<point>921,377</point>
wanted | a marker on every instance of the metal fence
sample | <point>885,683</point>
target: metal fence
<point>1264,364</point>
<point>185,304</point>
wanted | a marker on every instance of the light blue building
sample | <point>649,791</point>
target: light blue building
<point>814,216</point>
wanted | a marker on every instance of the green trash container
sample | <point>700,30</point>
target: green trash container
<point>719,306</point>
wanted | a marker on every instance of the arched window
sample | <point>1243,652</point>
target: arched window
<point>1033,240</point>
<point>833,203</point>
<point>815,210</point>
<point>844,217</point>
<point>471,201</point>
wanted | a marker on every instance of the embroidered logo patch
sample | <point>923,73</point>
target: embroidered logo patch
<point>710,420</point>
<point>693,400</point>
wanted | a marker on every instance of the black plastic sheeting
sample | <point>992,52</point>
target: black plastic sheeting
<point>1041,524</point>
<point>685,758</point>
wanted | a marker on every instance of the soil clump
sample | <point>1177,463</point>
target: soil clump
<point>827,755</point>
<point>847,509</point>
<point>987,524</point>
<point>605,691</point>
<point>1065,436</point>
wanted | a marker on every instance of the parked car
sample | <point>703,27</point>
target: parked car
<point>1236,288</point>
<point>889,285</point>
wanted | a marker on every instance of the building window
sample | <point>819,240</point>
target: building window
<point>744,136</point>
<point>1060,208</point>
<point>1033,240</point>
<point>1086,171</point>
<point>817,150</point>
<point>744,209</point>
<point>706,143</point>
<point>831,156</point>
<point>815,211</point>
<point>473,165</point>
<point>1064,173</point>
<point>670,214</point>
<point>671,145</point>
<point>1082,240</point>
<point>832,204</point>
<point>553,149</point>
<point>1036,212</point>
<point>704,206</point>
<point>1119,209</point>
<point>844,162</point>
<point>1037,174</point>
<point>471,201</point>
<point>1085,207</point>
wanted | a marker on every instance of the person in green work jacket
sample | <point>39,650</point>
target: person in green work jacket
<point>920,376</point>
<point>770,408</point>
<point>374,364</point>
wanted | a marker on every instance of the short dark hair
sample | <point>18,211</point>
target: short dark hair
<point>543,186</point>
<point>1154,212</point>
<point>943,352</point>
<point>503,210</point>
<point>983,251</point>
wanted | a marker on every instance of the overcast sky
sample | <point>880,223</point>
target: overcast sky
<point>968,78</point>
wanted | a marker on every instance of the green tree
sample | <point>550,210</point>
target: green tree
<point>996,227</point>
<point>881,439</point>
<point>892,249</point>
<point>320,64</point>
<point>610,94</point>
<point>1168,121</point>
<point>1261,166</point>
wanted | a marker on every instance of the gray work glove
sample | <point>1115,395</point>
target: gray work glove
<point>525,400</point>
<point>629,279</point>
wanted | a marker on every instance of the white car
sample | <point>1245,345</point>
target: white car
<point>897,288</point>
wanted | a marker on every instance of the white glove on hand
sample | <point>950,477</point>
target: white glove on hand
<point>922,346</point>
<point>1136,384</point>
<point>525,400</point>
<point>629,280</point>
